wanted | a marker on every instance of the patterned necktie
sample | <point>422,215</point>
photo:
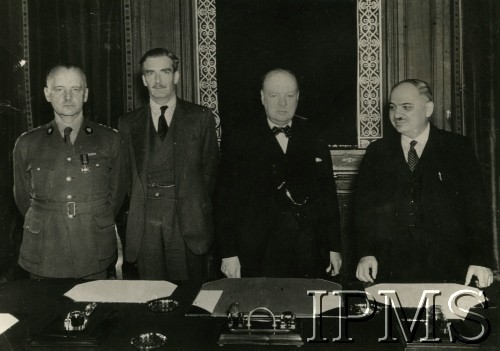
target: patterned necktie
<point>285,130</point>
<point>412,156</point>
<point>67,133</point>
<point>162,123</point>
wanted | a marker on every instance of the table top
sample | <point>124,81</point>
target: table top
<point>37,303</point>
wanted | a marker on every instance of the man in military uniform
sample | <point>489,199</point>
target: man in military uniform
<point>68,185</point>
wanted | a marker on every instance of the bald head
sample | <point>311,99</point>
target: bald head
<point>279,74</point>
<point>280,96</point>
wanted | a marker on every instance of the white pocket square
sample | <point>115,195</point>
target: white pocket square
<point>318,159</point>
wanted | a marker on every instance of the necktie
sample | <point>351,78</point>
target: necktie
<point>67,133</point>
<point>412,155</point>
<point>162,123</point>
<point>285,130</point>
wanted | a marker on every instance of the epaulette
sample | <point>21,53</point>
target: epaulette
<point>48,128</point>
<point>100,125</point>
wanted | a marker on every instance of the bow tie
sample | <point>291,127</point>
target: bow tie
<point>287,130</point>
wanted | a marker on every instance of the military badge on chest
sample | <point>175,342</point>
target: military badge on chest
<point>84,158</point>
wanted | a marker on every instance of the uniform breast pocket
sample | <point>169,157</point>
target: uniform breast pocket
<point>96,175</point>
<point>42,177</point>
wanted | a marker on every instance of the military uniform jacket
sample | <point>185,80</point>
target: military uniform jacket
<point>69,195</point>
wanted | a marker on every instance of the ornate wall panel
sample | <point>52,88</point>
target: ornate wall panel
<point>129,62</point>
<point>206,48</point>
<point>369,72</point>
<point>27,85</point>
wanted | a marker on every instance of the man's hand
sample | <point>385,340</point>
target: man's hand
<point>484,276</point>
<point>366,264</point>
<point>231,267</point>
<point>335,263</point>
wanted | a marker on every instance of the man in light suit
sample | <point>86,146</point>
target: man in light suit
<point>173,158</point>
<point>277,210</point>
<point>421,213</point>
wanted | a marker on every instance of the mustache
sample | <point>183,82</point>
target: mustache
<point>158,86</point>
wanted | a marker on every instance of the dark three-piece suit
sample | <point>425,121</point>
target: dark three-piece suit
<point>277,212</point>
<point>429,225</point>
<point>170,184</point>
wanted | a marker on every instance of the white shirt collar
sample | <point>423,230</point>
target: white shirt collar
<point>271,124</point>
<point>75,125</point>
<point>420,139</point>
<point>281,138</point>
<point>156,107</point>
<point>156,112</point>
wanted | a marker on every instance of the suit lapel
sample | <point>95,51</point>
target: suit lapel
<point>180,126</point>
<point>139,133</point>
<point>430,159</point>
<point>298,137</point>
<point>396,158</point>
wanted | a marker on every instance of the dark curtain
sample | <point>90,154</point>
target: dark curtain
<point>12,124</point>
<point>87,33</point>
<point>481,62</point>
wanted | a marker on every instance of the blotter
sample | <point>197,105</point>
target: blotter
<point>277,294</point>
<point>121,291</point>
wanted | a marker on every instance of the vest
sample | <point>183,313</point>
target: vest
<point>161,158</point>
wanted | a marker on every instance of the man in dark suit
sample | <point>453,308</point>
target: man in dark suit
<point>173,158</point>
<point>69,185</point>
<point>277,209</point>
<point>421,213</point>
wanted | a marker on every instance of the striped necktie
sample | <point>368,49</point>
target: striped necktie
<point>412,156</point>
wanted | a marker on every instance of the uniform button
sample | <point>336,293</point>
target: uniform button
<point>412,202</point>
<point>69,197</point>
<point>38,168</point>
<point>69,159</point>
<point>411,213</point>
<point>157,194</point>
<point>97,165</point>
<point>68,179</point>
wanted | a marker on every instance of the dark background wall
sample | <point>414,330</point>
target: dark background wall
<point>316,39</point>
<point>88,33</point>
<point>481,94</point>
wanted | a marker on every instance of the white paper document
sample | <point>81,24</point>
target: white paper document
<point>207,299</point>
<point>455,299</point>
<point>6,321</point>
<point>127,291</point>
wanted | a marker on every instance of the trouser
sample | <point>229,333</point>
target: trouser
<point>163,254</point>
<point>292,250</point>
